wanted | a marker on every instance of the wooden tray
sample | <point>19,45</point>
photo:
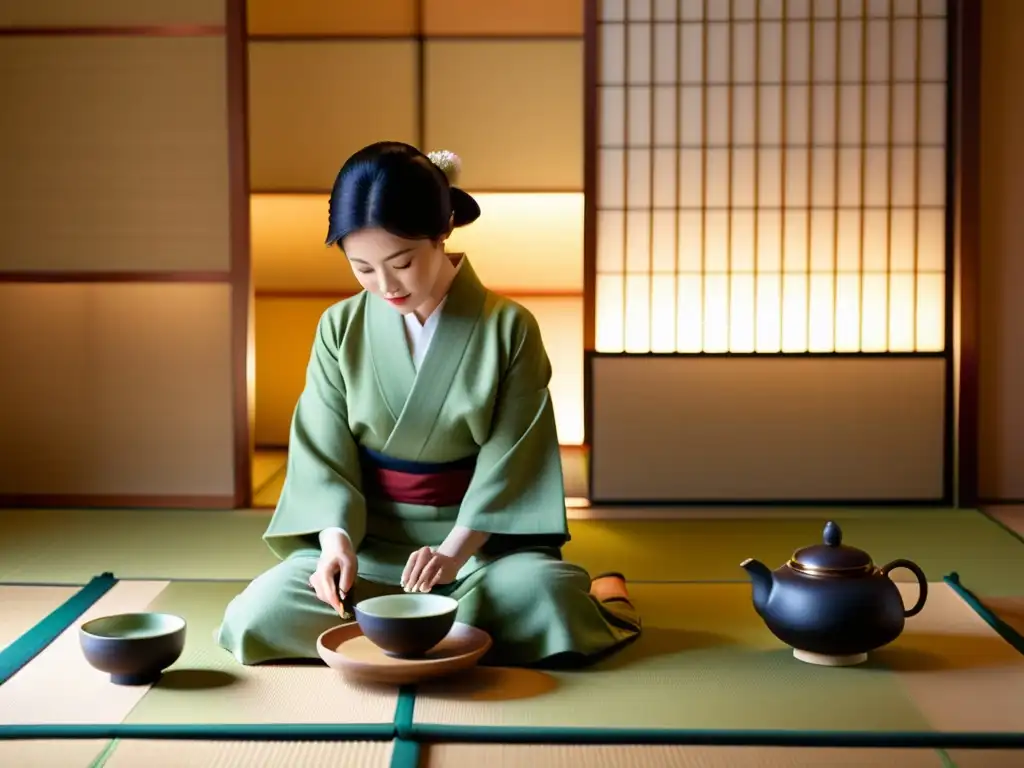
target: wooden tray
<point>348,650</point>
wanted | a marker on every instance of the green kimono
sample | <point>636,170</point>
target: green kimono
<point>482,390</point>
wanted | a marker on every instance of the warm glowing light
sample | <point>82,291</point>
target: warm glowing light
<point>527,243</point>
<point>767,184</point>
<point>771,313</point>
<point>561,325</point>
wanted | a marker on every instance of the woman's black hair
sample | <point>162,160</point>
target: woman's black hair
<point>396,187</point>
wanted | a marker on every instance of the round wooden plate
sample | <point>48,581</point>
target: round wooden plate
<point>348,650</point>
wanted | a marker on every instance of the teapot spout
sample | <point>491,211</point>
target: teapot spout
<point>762,579</point>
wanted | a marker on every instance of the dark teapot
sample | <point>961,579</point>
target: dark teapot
<point>830,603</point>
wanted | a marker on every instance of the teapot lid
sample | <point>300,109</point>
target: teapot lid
<point>832,557</point>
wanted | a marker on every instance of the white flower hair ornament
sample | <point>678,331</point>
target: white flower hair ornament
<point>449,163</point>
<point>465,210</point>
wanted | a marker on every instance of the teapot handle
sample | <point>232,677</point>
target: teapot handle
<point>922,582</point>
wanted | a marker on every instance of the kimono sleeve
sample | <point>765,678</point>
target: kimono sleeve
<point>517,492</point>
<point>322,487</point>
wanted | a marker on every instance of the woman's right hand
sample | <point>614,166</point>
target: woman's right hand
<point>335,571</point>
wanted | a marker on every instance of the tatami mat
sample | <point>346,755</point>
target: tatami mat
<point>524,756</point>
<point>250,754</point>
<point>960,674</point>
<point>706,662</point>
<point>21,608</point>
<point>85,695</point>
<point>938,540</point>
<point>62,753</point>
<point>205,686</point>
<point>1009,609</point>
<point>172,544</point>
<point>132,753</point>
<point>693,667</point>
<point>75,753</point>
<point>71,546</point>
<point>985,758</point>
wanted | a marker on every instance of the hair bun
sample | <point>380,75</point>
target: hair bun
<point>449,163</point>
<point>465,210</point>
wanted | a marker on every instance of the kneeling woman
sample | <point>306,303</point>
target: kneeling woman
<point>423,454</point>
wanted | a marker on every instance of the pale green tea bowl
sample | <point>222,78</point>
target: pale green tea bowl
<point>406,625</point>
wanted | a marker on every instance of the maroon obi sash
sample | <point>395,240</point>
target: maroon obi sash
<point>415,482</point>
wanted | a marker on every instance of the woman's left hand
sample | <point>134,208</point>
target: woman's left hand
<point>426,569</point>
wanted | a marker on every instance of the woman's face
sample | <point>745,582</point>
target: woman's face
<point>402,272</point>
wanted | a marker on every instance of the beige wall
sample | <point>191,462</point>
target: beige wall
<point>118,384</point>
<point>1001,374</point>
<point>752,429</point>
<point>130,173</point>
<point>116,390</point>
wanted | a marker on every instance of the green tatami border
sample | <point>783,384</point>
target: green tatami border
<point>36,639</point>
<point>426,734</point>
<point>1004,630</point>
<point>405,751</point>
<point>405,754</point>
<point>412,739</point>
<point>203,732</point>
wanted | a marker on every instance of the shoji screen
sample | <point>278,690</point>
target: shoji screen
<point>768,250</point>
<point>123,261</point>
<point>501,84</point>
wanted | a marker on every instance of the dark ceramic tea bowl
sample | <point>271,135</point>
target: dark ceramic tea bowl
<point>406,625</point>
<point>133,648</point>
